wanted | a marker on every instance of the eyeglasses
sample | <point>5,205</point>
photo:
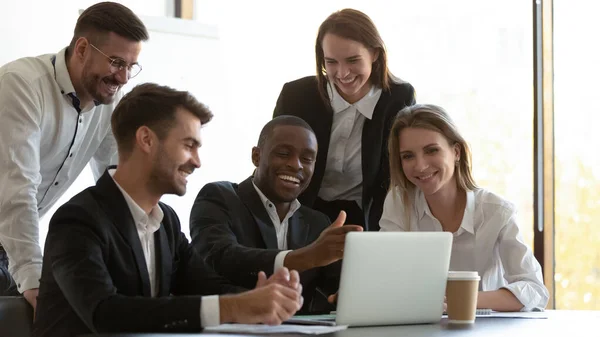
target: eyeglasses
<point>118,64</point>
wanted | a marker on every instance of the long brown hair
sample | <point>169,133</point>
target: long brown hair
<point>357,26</point>
<point>434,118</point>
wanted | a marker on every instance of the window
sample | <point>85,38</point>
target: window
<point>577,164</point>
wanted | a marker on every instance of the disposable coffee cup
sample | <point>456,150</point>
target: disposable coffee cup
<point>461,296</point>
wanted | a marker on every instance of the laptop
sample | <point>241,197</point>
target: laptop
<point>391,278</point>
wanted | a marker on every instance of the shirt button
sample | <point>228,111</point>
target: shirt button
<point>71,155</point>
<point>80,120</point>
<point>56,183</point>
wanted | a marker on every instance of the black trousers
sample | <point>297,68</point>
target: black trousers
<point>354,214</point>
<point>8,287</point>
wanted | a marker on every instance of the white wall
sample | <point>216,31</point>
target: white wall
<point>34,27</point>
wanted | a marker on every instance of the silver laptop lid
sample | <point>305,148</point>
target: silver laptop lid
<point>393,278</point>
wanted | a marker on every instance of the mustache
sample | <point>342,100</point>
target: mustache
<point>111,79</point>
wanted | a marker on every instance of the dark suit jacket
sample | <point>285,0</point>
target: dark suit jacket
<point>231,228</point>
<point>301,98</point>
<point>94,275</point>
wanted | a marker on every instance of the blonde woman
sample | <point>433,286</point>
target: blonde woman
<point>432,189</point>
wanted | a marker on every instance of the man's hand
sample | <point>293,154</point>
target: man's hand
<point>282,276</point>
<point>31,297</point>
<point>273,301</point>
<point>332,298</point>
<point>328,248</point>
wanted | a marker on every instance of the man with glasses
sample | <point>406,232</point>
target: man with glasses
<point>55,111</point>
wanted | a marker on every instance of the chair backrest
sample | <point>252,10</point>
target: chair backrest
<point>16,317</point>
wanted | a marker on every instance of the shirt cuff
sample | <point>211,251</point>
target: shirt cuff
<point>28,277</point>
<point>526,294</point>
<point>279,259</point>
<point>209,311</point>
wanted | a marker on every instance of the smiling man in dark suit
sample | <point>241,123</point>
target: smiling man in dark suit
<point>259,225</point>
<point>115,254</point>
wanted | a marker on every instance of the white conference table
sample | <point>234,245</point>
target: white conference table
<point>558,323</point>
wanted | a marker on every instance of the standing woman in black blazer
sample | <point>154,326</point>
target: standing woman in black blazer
<point>350,104</point>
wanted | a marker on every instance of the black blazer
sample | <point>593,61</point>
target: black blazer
<point>301,98</point>
<point>232,230</point>
<point>94,275</point>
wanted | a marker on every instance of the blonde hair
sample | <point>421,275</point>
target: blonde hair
<point>434,118</point>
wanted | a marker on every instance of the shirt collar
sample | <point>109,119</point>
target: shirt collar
<point>62,73</point>
<point>365,105</point>
<point>421,204</point>
<point>152,220</point>
<point>294,206</point>
<point>59,61</point>
<point>467,221</point>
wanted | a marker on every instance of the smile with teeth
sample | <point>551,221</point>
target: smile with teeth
<point>185,173</point>
<point>347,81</point>
<point>425,177</point>
<point>289,179</point>
<point>111,86</point>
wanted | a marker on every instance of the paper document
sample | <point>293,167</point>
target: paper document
<point>518,314</point>
<point>487,313</point>
<point>328,320</point>
<point>268,329</point>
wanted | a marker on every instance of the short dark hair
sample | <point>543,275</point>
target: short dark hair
<point>154,106</point>
<point>282,120</point>
<point>106,17</point>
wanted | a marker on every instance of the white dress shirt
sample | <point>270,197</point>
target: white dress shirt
<point>281,227</point>
<point>46,139</point>
<point>343,177</point>
<point>488,241</point>
<point>147,225</point>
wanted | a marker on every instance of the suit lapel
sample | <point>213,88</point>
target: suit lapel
<point>371,142</point>
<point>164,259</point>
<point>321,120</point>
<point>118,210</point>
<point>251,199</point>
<point>297,231</point>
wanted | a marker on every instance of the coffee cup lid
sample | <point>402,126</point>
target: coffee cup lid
<point>463,275</point>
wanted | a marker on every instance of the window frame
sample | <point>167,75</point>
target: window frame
<point>543,148</point>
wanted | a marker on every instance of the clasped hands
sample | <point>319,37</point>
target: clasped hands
<point>273,300</point>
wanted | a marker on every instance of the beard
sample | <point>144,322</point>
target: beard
<point>91,83</point>
<point>163,181</point>
<point>164,176</point>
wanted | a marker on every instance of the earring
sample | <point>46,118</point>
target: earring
<point>457,162</point>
